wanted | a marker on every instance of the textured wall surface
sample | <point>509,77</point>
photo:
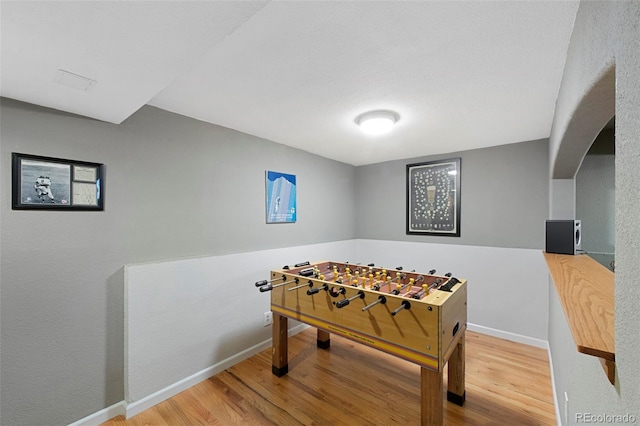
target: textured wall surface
<point>595,206</point>
<point>605,42</point>
<point>504,197</point>
<point>175,188</point>
<point>180,188</point>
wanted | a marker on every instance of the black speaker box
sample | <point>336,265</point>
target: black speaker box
<point>563,236</point>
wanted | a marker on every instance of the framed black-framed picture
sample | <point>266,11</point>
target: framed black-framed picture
<point>433,198</point>
<point>56,184</point>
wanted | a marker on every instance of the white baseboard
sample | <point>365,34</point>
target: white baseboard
<point>553,388</point>
<point>131,409</point>
<point>118,409</point>
<point>143,404</point>
<point>155,398</point>
<point>531,341</point>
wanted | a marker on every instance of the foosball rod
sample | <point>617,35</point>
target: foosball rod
<point>381,299</point>
<point>314,290</point>
<point>265,282</point>
<point>439,281</point>
<point>297,265</point>
<point>398,277</point>
<point>409,284</point>
<point>435,284</point>
<point>418,294</point>
<point>271,287</point>
<point>344,302</point>
<point>309,284</point>
<point>404,305</point>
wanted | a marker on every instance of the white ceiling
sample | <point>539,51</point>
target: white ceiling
<point>460,74</point>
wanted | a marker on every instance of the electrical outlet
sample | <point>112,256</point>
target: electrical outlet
<point>268,318</point>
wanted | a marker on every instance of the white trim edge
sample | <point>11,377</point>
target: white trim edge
<point>553,388</point>
<point>519,338</point>
<point>531,341</point>
<point>129,410</point>
<point>118,409</point>
<point>155,398</point>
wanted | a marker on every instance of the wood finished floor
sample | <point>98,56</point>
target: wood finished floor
<point>507,383</point>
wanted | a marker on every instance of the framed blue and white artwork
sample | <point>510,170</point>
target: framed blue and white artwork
<point>281,197</point>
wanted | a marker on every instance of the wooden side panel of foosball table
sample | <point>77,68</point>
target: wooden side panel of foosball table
<point>453,317</point>
<point>411,334</point>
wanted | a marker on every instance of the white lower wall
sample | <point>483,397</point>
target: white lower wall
<point>508,289</point>
<point>186,320</point>
<point>183,317</point>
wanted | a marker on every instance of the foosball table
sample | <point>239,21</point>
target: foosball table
<point>419,317</point>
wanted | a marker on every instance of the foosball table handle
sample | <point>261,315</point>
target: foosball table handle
<point>265,282</point>
<point>344,302</point>
<point>316,290</point>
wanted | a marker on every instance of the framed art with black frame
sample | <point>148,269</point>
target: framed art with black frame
<point>56,184</point>
<point>433,198</point>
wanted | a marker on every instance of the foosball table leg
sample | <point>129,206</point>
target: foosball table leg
<point>431,398</point>
<point>280,360</point>
<point>455,374</point>
<point>324,339</point>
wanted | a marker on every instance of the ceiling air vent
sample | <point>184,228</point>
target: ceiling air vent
<point>74,81</point>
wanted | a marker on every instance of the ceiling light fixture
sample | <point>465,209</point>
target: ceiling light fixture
<point>377,122</point>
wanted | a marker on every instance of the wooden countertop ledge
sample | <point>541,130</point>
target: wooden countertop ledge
<point>586,291</point>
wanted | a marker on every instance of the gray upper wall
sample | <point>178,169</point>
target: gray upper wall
<point>212,196</point>
<point>175,187</point>
<point>602,79</point>
<point>504,197</point>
